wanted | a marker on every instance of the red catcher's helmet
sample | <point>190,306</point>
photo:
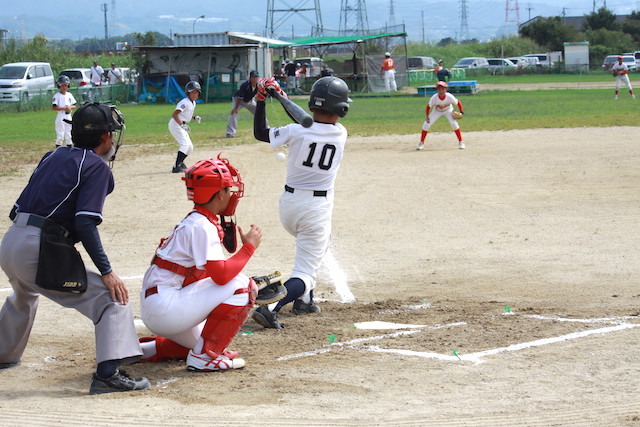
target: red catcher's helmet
<point>441,83</point>
<point>207,177</point>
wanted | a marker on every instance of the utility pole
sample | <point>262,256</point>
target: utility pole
<point>106,27</point>
<point>422,15</point>
<point>529,9</point>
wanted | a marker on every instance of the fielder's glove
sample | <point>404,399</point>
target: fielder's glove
<point>185,127</point>
<point>270,288</point>
<point>457,115</point>
<point>615,74</point>
<point>197,119</point>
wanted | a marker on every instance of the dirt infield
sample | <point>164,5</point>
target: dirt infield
<point>501,283</point>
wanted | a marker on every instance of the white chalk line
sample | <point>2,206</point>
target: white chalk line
<point>358,341</point>
<point>338,277</point>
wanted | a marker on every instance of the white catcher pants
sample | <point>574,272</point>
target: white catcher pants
<point>181,136</point>
<point>308,219</point>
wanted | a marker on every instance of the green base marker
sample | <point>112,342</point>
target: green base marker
<point>455,353</point>
<point>507,309</point>
<point>331,338</point>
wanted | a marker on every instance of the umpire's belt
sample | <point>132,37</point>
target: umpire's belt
<point>316,193</point>
<point>22,219</point>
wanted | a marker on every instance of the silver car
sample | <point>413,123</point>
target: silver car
<point>20,81</point>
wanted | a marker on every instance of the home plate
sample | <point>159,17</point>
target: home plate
<point>386,325</point>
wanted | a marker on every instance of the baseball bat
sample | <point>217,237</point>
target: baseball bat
<point>294,110</point>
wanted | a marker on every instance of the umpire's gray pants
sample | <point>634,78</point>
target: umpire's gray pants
<point>232,123</point>
<point>115,331</point>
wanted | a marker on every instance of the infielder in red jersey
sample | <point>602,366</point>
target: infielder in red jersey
<point>192,297</point>
<point>441,104</point>
<point>621,73</point>
<point>306,204</point>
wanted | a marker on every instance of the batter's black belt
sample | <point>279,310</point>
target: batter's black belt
<point>316,193</point>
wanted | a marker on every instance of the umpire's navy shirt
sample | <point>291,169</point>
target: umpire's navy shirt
<point>246,92</point>
<point>68,182</point>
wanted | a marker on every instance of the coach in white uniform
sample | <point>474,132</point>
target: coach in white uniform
<point>306,205</point>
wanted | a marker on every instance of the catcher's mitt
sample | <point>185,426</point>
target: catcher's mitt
<point>270,288</point>
<point>457,115</point>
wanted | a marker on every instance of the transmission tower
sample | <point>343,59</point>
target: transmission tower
<point>595,6</point>
<point>464,25</point>
<point>353,19</point>
<point>104,8</point>
<point>392,14</point>
<point>280,14</point>
<point>512,13</point>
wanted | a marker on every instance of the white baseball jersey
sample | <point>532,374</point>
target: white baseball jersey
<point>443,105</point>
<point>177,312</point>
<point>315,153</point>
<point>620,68</point>
<point>186,108</point>
<point>63,100</point>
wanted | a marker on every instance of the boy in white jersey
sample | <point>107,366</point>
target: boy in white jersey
<point>441,103</point>
<point>63,102</point>
<point>192,297</point>
<point>621,73</point>
<point>178,126</point>
<point>306,205</point>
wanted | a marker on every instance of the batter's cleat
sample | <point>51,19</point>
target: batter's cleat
<point>117,382</point>
<point>7,365</point>
<point>267,318</point>
<point>205,363</point>
<point>300,307</point>
<point>461,145</point>
<point>420,146</point>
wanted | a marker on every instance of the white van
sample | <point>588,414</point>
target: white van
<point>21,80</point>
<point>472,62</point>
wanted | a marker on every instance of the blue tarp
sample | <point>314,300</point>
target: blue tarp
<point>168,87</point>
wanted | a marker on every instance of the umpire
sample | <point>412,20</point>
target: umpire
<point>243,98</point>
<point>61,205</point>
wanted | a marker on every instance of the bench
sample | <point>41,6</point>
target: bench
<point>462,87</point>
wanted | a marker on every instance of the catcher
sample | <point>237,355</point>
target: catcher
<point>193,297</point>
<point>442,105</point>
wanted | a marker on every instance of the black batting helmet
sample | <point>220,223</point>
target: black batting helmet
<point>63,80</point>
<point>192,86</point>
<point>330,94</point>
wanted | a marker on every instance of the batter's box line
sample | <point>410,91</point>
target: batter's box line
<point>477,357</point>
<point>356,342</point>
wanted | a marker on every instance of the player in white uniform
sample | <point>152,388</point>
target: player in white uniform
<point>194,299</point>
<point>621,72</point>
<point>178,124</point>
<point>63,102</point>
<point>442,105</point>
<point>306,205</point>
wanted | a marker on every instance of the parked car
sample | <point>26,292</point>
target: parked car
<point>636,55</point>
<point>421,63</point>
<point>525,62</point>
<point>21,80</point>
<point>500,65</point>
<point>79,76</point>
<point>543,59</point>
<point>610,60</point>
<point>472,62</point>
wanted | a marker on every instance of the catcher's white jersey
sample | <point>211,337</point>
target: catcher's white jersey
<point>315,153</point>
<point>443,105</point>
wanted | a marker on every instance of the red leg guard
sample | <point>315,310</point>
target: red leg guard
<point>222,325</point>
<point>423,135</point>
<point>458,134</point>
<point>165,350</point>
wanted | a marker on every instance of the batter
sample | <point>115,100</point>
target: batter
<point>178,126</point>
<point>306,205</point>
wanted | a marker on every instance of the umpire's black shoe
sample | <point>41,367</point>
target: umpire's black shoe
<point>119,381</point>
<point>7,365</point>
<point>300,307</point>
<point>179,169</point>
<point>267,318</point>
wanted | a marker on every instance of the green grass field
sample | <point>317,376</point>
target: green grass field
<point>26,136</point>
